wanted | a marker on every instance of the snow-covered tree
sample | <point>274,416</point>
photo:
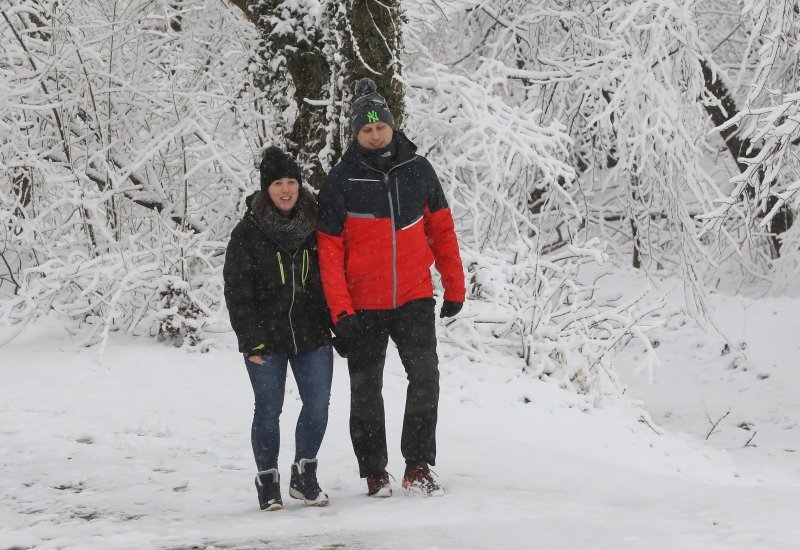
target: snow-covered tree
<point>127,142</point>
<point>757,73</point>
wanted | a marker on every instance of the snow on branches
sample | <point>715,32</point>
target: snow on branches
<point>567,135</point>
<point>764,193</point>
<point>128,131</point>
<point>507,168</point>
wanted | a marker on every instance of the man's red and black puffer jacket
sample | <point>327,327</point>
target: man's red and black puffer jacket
<point>380,231</point>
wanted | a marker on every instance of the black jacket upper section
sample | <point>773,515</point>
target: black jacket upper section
<point>356,187</point>
<point>274,296</point>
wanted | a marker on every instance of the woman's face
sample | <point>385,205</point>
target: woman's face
<point>283,193</point>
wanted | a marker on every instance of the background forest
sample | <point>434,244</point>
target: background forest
<point>624,178</point>
<point>571,137</point>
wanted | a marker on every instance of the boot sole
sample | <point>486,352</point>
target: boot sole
<point>384,492</point>
<point>319,502</point>
<point>273,507</point>
<point>411,490</point>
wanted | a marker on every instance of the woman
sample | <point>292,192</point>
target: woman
<point>278,311</point>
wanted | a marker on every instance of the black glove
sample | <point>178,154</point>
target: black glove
<point>348,327</point>
<point>450,308</point>
<point>341,345</point>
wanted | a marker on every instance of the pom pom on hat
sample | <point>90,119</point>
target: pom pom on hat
<point>365,86</point>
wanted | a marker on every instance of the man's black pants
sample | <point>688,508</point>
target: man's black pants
<point>412,327</point>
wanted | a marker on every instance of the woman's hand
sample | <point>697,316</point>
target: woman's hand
<point>256,359</point>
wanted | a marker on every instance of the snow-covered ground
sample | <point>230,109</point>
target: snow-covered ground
<point>149,448</point>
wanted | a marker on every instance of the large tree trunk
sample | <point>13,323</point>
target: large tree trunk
<point>377,31</point>
<point>738,147</point>
<point>351,40</point>
<point>311,74</point>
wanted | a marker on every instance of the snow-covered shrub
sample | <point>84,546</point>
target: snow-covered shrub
<point>132,291</point>
<point>180,318</point>
<point>550,310</point>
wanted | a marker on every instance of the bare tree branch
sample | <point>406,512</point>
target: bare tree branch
<point>243,5</point>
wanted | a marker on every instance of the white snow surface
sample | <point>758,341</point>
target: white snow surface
<point>149,447</point>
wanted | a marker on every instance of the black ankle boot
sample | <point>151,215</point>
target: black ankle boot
<point>269,490</point>
<point>304,483</point>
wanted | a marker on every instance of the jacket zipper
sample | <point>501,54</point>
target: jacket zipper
<point>394,244</point>
<point>391,214</point>
<point>291,305</point>
<point>291,325</point>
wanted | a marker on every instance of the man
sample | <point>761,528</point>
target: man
<point>383,221</point>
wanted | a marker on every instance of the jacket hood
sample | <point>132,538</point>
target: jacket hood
<point>249,201</point>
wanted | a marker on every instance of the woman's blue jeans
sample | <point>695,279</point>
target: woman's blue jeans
<point>313,372</point>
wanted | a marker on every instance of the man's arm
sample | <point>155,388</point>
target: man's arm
<point>330,243</point>
<point>441,233</point>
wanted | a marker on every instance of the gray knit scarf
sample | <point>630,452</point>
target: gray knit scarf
<point>288,231</point>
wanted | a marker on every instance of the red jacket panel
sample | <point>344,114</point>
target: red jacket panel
<point>380,232</point>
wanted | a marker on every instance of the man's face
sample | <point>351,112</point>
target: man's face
<point>375,135</point>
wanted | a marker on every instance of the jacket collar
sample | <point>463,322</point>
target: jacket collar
<point>405,150</point>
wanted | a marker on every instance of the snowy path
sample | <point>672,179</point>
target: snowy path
<point>151,450</point>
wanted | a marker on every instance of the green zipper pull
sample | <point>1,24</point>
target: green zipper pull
<point>306,267</point>
<point>280,264</point>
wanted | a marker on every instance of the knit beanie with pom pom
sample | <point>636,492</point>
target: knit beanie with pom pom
<point>369,106</point>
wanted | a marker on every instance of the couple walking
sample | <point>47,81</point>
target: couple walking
<point>360,258</point>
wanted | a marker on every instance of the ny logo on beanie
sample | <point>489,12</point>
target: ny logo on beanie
<point>372,116</point>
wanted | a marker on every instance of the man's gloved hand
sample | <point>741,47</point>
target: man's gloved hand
<point>341,345</point>
<point>450,308</point>
<point>348,327</point>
